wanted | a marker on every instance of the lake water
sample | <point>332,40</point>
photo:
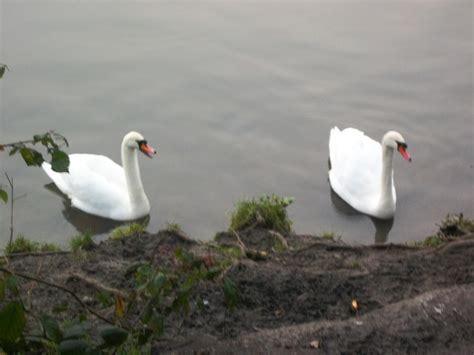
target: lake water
<point>238,98</point>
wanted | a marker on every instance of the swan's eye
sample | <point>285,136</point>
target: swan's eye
<point>401,144</point>
<point>140,143</point>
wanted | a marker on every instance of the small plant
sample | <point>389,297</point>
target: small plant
<point>82,242</point>
<point>231,252</point>
<point>24,245</point>
<point>450,228</point>
<point>328,235</point>
<point>50,336</point>
<point>352,264</point>
<point>174,227</point>
<point>127,231</point>
<point>265,211</point>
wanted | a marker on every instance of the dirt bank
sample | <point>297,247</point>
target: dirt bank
<point>295,293</point>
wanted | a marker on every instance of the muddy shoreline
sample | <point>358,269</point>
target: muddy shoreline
<point>295,292</point>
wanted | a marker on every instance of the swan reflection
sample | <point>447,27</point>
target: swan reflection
<point>86,223</point>
<point>382,226</point>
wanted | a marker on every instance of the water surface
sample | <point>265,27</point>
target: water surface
<point>238,98</point>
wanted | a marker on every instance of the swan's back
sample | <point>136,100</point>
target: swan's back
<point>95,184</point>
<point>356,168</point>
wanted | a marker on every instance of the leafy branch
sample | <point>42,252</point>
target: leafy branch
<point>51,141</point>
<point>3,67</point>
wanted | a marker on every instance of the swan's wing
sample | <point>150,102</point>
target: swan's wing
<point>102,166</point>
<point>356,167</point>
<point>95,184</point>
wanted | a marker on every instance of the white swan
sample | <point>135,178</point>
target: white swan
<point>97,185</point>
<point>362,170</point>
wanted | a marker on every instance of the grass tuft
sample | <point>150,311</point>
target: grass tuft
<point>128,230</point>
<point>327,235</point>
<point>82,242</point>
<point>174,227</point>
<point>23,245</point>
<point>265,211</point>
<point>450,228</point>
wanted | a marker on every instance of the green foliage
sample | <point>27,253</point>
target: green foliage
<point>265,211</point>
<point>73,347</point>
<point>174,227</point>
<point>232,252</point>
<point>51,142</point>
<point>12,323</point>
<point>3,67</point>
<point>23,245</point>
<point>51,328</point>
<point>231,294</point>
<point>328,235</point>
<point>128,230</point>
<point>451,227</point>
<point>3,195</point>
<point>170,292</point>
<point>454,225</point>
<point>82,242</point>
<point>113,336</point>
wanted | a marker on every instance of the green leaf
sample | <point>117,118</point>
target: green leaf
<point>11,284</point>
<point>73,347</point>
<point>157,324</point>
<point>2,70</point>
<point>60,161</point>
<point>114,336</point>
<point>231,295</point>
<point>12,322</point>
<point>51,328</point>
<point>3,195</point>
<point>2,288</point>
<point>158,281</point>
<point>13,151</point>
<point>31,156</point>
<point>77,331</point>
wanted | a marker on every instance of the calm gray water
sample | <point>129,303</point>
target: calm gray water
<point>238,98</point>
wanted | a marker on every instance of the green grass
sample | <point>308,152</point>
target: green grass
<point>232,252</point>
<point>451,227</point>
<point>352,264</point>
<point>279,246</point>
<point>174,227</point>
<point>432,241</point>
<point>265,211</point>
<point>327,235</point>
<point>128,230</point>
<point>23,245</point>
<point>81,242</point>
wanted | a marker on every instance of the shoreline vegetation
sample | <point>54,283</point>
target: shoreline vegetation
<point>256,288</point>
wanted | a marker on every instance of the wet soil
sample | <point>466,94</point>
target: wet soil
<point>295,293</point>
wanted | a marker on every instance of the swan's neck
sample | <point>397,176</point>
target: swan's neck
<point>387,202</point>
<point>131,169</point>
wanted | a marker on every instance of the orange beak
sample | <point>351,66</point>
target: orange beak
<point>404,153</point>
<point>147,150</point>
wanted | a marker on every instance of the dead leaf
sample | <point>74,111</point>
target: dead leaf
<point>355,305</point>
<point>315,344</point>
<point>119,306</point>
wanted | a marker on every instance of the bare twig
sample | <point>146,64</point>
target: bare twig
<point>33,141</point>
<point>98,285</point>
<point>280,238</point>
<point>59,287</point>
<point>10,182</point>
<point>224,272</point>
<point>38,253</point>
<point>241,244</point>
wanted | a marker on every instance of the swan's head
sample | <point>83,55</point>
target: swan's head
<point>134,140</point>
<point>395,140</point>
